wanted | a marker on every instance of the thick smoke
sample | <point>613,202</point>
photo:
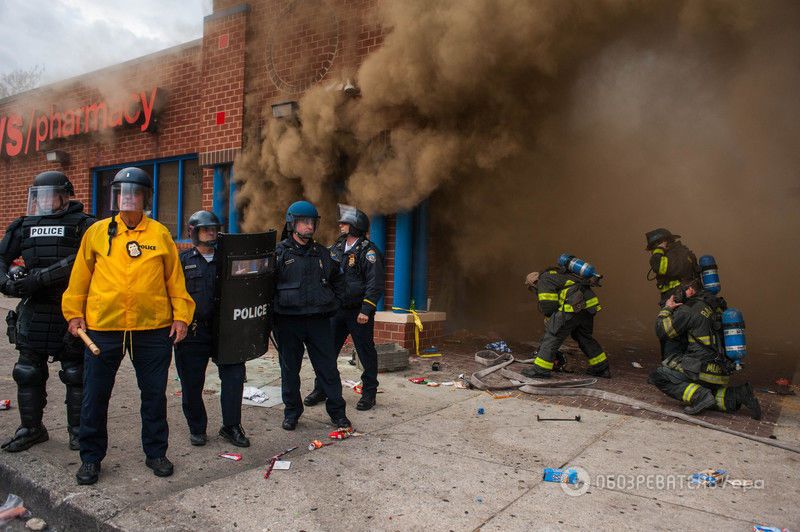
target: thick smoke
<point>543,127</point>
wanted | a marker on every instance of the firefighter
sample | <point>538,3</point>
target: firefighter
<point>362,265</point>
<point>308,291</point>
<point>699,377</point>
<point>569,306</point>
<point>194,352</point>
<point>47,238</point>
<point>670,261</point>
<point>127,286</point>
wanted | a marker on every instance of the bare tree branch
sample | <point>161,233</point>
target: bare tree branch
<point>19,80</point>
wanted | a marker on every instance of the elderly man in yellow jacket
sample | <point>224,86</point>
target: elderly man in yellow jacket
<point>128,292</point>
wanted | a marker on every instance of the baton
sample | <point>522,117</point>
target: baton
<point>88,341</point>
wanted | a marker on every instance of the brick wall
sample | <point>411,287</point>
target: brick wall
<point>177,71</point>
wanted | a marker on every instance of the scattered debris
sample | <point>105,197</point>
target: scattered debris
<point>448,383</point>
<point>251,393</point>
<point>350,384</point>
<point>764,528</point>
<point>436,366</point>
<point>636,365</point>
<point>316,444</point>
<point>431,349</point>
<point>179,393</point>
<point>11,509</point>
<point>709,477</point>
<point>576,418</point>
<point>341,434</point>
<point>783,382</point>
<point>432,384</point>
<point>282,465</point>
<point>766,390</point>
<point>5,404</point>
<point>481,411</point>
<point>274,459</point>
<point>35,523</point>
<point>418,380</point>
<point>500,346</point>
<point>554,474</point>
<point>358,389</point>
<point>236,457</point>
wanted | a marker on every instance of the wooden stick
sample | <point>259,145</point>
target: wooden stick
<point>88,341</point>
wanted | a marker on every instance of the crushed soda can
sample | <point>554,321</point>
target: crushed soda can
<point>567,476</point>
<point>231,456</point>
<point>341,434</point>
<point>418,380</point>
<point>316,444</point>
<point>5,404</point>
<point>764,528</point>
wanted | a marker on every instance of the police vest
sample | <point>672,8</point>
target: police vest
<point>303,273</point>
<point>48,239</point>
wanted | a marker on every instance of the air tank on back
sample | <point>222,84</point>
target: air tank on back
<point>709,274</point>
<point>578,267</point>
<point>733,335</point>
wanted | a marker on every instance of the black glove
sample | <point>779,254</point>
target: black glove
<point>27,285</point>
<point>7,287</point>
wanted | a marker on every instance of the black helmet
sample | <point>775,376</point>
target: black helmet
<point>128,185</point>
<point>49,194</point>
<point>202,219</point>
<point>54,178</point>
<point>657,236</point>
<point>356,219</point>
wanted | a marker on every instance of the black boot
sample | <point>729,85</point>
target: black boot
<point>536,372</point>
<point>161,467</point>
<point>366,402</point>
<point>74,442</point>
<point>235,435</point>
<point>599,371</point>
<point>88,473</point>
<point>314,398</point>
<point>744,396</point>
<point>25,438</point>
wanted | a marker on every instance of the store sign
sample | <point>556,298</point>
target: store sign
<point>19,135</point>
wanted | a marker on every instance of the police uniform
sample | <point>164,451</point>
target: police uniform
<point>309,288</point>
<point>362,267</point>
<point>672,266</point>
<point>698,377</point>
<point>193,353</point>
<point>47,244</point>
<point>569,306</point>
<point>128,285</point>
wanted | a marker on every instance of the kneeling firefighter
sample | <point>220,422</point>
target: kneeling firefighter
<point>569,305</point>
<point>699,376</point>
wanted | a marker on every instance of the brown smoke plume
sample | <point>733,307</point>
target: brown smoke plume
<point>551,126</point>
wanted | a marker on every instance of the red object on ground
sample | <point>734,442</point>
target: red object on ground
<point>5,404</point>
<point>231,456</point>
<point>418,380</point>
<point>783,382</point>
<point>340,434</point>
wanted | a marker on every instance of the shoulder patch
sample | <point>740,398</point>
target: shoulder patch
<point>372,256</point>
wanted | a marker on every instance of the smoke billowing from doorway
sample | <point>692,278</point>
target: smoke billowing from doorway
<point>551,126</point>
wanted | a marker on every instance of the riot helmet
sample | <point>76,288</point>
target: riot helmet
<point>131,190</point>
<point>203,219</point>
<point>657,236</point>
<point>302,211</point>
<point>49,194</point>
<point>357,220</point>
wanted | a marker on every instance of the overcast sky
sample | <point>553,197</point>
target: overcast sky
<point>72,37</point>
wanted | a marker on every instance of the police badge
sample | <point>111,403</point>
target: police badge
<point>133,249</point>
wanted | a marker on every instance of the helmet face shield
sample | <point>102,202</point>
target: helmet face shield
<point>304,226</point>
<point>47,199</point>
<point>131,197</point>
<point>204,234</point>
<point>347,213</point>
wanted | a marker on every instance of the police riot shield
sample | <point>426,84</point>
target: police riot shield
<point>244,291</point>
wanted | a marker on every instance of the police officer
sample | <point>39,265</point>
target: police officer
<point>193,353</point>
<point>308,290</point>
<point>47,238</point>
<point>362,266</point>
<point>569,306</point>
<point>127,286</point>
<point>699,376</point>
<point>670,261</point>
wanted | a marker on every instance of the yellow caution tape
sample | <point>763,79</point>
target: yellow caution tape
<point>417,322</point>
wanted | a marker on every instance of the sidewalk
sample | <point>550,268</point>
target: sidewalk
<point>426,461</point>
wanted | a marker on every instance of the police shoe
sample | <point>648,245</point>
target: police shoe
<point>88,473</point>
<point>343,423</point>
<point>314,398</point>
<point>198,440</point>
<point>366,402</point>
<point>162,467</point>
<point>235,435</point>
<point>289,424</point>
<point>604,372</point>
<point>74,442</point>
<point>25,438</point>
<point>705,402</point>
<point>536,372</point>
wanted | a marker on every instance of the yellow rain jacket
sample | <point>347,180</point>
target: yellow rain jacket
<point>138,286</point>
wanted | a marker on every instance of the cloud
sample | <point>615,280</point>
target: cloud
<point>72,37</point>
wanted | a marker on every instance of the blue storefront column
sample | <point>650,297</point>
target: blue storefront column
<point>402,260</point>
<point>377,234</point>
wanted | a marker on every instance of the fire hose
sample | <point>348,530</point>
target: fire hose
<point>578,387</point>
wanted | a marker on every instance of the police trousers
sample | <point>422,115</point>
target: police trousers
<point>345,323</point>
<point>293,334</point>
<point>151,354</point>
